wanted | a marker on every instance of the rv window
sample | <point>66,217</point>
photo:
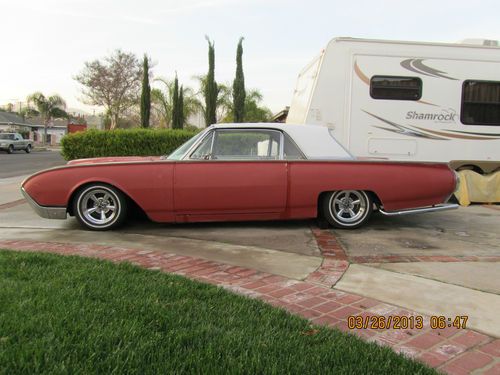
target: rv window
<point>480,103</point>
<point>395,88</point>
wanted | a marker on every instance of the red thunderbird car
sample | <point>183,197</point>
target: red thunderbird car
<point>241,172</point>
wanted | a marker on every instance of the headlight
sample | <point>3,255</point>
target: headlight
<point>3,144</point>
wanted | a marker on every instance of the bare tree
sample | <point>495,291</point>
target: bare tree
<point>113,82</point>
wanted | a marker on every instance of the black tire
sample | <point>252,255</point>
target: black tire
<point>28,149</point>
<point>347,209</point>
<point>92,207</point>
<point>10,150</point>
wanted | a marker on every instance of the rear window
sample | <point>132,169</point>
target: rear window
<point>395,88</point>
<point>480,103</point>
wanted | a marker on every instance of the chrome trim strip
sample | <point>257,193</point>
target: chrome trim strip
<point>282,146</point>
<point>43,211</point>
<point>205,133</point>
<point>439,207</point>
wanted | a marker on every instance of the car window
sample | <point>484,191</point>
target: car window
<point>179,153</point>
<point>291,151</point>
<point>246,145</point>
<point>204,150</point>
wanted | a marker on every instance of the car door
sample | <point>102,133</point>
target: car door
<point>233,172</point>
<point>18,142</point>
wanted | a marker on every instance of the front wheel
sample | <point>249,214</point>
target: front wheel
<point>347,209</point>
<point>100,207</point>
<point>10,150</point>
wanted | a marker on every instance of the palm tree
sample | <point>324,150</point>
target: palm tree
<point>254,111</point>
<point>48,108</point>
<point>223,103</point>
<point>163,100</point>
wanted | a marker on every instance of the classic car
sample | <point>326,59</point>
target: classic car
<point>14,141</point>
<point>232,172</point>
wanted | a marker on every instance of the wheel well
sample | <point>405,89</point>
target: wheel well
<point>321,196</point>
<point>133,206</point>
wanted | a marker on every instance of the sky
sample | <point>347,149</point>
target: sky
<point>46,42</point>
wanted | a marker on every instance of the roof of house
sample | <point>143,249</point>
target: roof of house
<point>9,117</point>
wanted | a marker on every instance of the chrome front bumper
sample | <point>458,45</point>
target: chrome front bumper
<point>43,211</point>
<point>439,207</point>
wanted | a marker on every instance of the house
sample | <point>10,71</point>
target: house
<point>33,128</point>
<point>12,122</point>
<point>281,115</point>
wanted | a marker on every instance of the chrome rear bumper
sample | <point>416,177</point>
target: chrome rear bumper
<point>43,211</point>
<point>439,207</point>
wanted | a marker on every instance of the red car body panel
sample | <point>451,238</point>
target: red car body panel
<point>214,190</point>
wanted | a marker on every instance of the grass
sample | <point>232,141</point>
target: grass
<point>74,315</point>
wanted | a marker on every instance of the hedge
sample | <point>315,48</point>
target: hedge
<point>121,142</point>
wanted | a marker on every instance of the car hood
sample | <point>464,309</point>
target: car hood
<point>114,159</point>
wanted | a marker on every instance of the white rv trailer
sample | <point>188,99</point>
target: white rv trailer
<point>406,100</point>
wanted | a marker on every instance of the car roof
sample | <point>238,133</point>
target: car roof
<point>315,141</point>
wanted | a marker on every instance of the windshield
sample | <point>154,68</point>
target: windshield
<point>179,152</point>
<point>6,136</point>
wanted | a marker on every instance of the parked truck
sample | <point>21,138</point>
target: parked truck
<point>10,142</point>
<point>407,101</point>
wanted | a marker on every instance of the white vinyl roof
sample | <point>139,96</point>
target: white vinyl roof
<point>315,141</point>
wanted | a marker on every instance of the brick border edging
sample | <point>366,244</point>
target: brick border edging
<point>450,350</point>
<point>334,263</point>
<point>12,204</point>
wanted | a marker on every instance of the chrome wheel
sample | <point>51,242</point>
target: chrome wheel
<point>99,207</point>
<point>347,208</point>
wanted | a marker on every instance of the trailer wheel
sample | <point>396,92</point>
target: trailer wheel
<point>347,209</point>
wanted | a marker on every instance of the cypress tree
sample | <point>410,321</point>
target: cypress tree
<point>175,105</point>
<point>210,89</point>
<point>239,93</point>
<point>145,94</point>
<point>181,107</point>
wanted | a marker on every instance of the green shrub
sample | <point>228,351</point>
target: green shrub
<point>120,142</point>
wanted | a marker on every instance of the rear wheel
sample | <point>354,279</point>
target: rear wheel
<point>100,207</point>
<point>347,209</point>
<point>28,149</point>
